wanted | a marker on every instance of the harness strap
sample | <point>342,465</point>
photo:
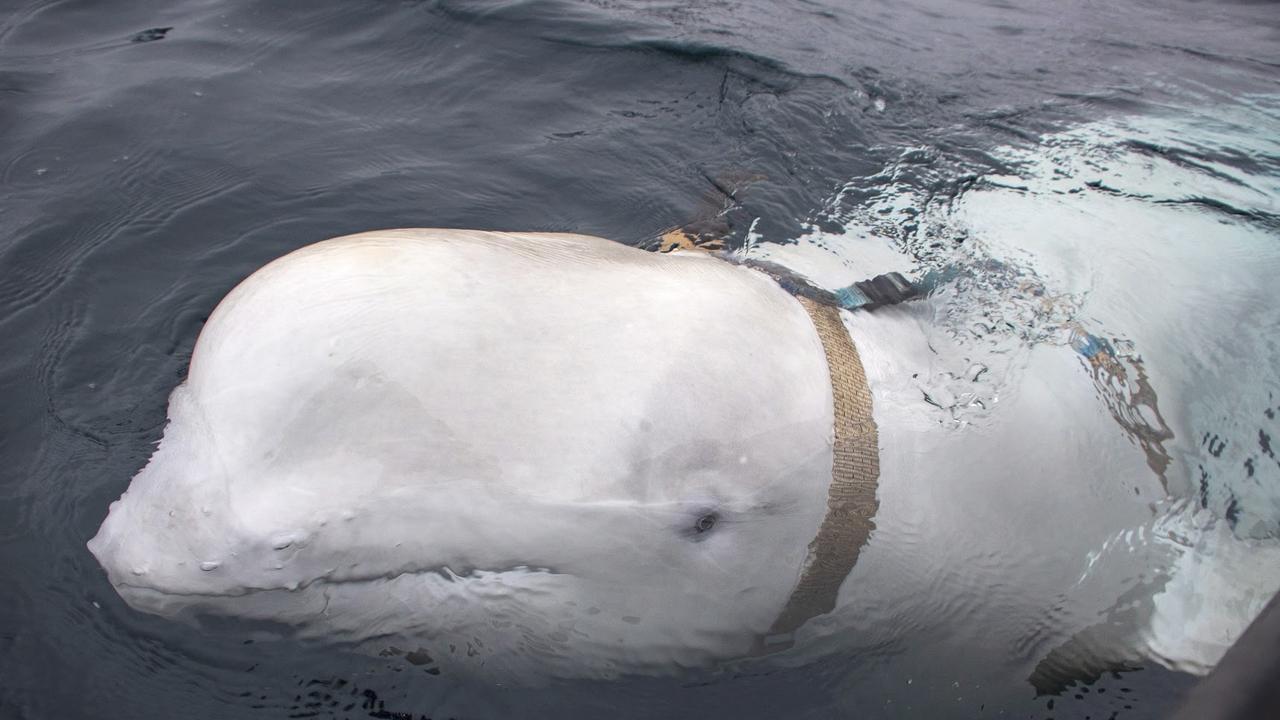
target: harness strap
<point>855,471</point>
<point>851,498</point>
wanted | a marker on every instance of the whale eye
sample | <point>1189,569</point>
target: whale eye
<point>705,523</point>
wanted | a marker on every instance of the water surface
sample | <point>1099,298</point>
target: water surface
<point>154,154</point>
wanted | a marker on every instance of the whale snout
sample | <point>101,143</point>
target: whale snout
<point>149,551</point>
<point>124,553</point>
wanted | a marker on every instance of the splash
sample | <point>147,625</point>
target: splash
<point>1146,244</point>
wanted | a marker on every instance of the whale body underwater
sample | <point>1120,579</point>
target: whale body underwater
<point>533,454</point>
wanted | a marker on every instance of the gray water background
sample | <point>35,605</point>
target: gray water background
<point>154,154</point>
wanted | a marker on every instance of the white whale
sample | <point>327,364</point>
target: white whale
<point>545,454</point>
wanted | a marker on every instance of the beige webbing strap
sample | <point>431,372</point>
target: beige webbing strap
<point>851,499</point>
<point>855,472</point>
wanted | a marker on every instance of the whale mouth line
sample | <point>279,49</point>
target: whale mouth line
<point>445,572</point>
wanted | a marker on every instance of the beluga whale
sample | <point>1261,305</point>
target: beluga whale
<point>542,455</point>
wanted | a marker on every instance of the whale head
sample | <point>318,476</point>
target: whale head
<point>548,454</point>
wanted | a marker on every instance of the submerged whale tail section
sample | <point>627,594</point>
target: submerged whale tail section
<point>1215,590</point>
<point>1215,584</point>
<point>1243,685</point>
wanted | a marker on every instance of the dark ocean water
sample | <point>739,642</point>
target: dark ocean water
<point>154,154</point>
